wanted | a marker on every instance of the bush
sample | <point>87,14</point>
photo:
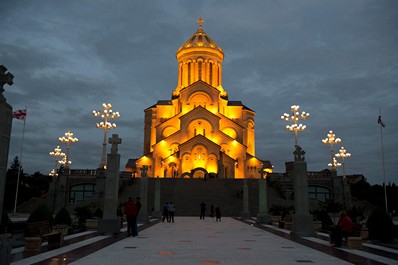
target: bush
<point>380,225</point>
<point>323,216</point>
<point>63,217</point>
<point>41,213</point>
<point>83,213</point>
<point>98,213</point>
<point>281,210</point>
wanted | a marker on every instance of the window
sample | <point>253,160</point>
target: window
<point>80,192</point>
<point>200,71</point>
<point>319,193</point>
<point>189,73</point>
<point>211,74</point>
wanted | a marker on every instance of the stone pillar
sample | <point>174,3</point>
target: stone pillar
<point>346,193</point>
<point>245,214</point>
<point>338,189</point>
<point>262,216</point>
<point>100,183</point>
<point>143,214</point>
<point>52,195</point>
<point>157,213</point>
<point>5,132</point>
<point>302,220</point>
<point>111,223</point>
<point>61,195</point>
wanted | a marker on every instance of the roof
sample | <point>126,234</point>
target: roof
<point>200,39</point>
<point>238,103</point>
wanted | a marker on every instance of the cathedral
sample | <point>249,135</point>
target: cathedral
<point>199,133</point>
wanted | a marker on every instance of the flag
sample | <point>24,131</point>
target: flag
<point>19,114</point>
<point>379,121</point>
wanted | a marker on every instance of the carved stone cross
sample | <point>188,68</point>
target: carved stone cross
<point>115,141</point>
<point>5,78</point>
<point>299,154</point>
<point>261,171</point>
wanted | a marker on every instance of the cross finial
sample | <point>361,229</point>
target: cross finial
<point>114,140</point>
<point>200,21</point>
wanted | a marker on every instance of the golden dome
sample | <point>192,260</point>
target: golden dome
<point>200,39</point>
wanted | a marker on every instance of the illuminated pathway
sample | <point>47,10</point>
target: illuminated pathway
<point>193,241</point>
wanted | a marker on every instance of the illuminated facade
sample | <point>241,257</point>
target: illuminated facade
<point>199,132</point>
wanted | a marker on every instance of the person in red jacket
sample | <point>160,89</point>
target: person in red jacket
<point>343,229</point>
<point>130,210</point>
<point>345,224</point>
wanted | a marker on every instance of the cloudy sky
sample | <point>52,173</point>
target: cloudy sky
<point>337,60</point>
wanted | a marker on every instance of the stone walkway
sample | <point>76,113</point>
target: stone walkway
<point>193,241</point>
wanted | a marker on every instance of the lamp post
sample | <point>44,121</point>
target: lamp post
<point>334,164</point>
<point>107,114</point>
<point>56,153</point>
<point>295,117</point>
<point>331,140</point>
<point>68,139</point>
<point>343,155</point>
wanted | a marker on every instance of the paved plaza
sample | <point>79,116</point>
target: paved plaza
<point>193,241</point>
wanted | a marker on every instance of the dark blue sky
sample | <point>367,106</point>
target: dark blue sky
<point>338,60</point>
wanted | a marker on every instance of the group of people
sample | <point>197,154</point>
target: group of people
<point>131,210</point>
<point>213,209</point>
<point>168,212</point>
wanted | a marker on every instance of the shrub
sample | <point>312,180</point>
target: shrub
<point>323,216</point>
<point>98,213</point>
<point>380,225</point>
<point>83,213</point>
<point>41,213</point>
<point>63,217</point>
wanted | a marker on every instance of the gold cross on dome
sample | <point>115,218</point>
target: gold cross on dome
<point>200,21</point>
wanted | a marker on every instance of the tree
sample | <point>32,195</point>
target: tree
<point>11,184</point>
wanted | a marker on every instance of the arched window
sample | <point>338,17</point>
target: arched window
<point>200,70</point>
<point>81,191</point>
<point>189,73</point>
<point>211,74</point>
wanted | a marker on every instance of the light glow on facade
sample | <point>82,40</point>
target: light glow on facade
<point>199,132</point>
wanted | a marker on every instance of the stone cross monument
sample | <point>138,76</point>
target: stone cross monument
<point>111,223</point>
<point>5,132</point>
<point>156,205</point>
<point>245,214</point>
<point>143,216</point>
<point>262,216</point>
<point>302,220</point>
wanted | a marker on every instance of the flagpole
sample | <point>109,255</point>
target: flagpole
<point>20,162</point>
<point>382,158</point>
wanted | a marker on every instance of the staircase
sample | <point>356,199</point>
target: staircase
<point>187,195</point>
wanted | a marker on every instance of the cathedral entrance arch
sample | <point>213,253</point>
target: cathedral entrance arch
<point>199,173</point>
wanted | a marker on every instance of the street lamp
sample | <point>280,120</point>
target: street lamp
<point>335,164</point>
<point>295,117</point>
<point>343,155</point>
<point>107,114</point>
<point>331,140</point>
<point>56,153</point>
<point>68,138</point>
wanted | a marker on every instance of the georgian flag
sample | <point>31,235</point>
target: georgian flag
<point>19,114</point>
<point>379,121</point>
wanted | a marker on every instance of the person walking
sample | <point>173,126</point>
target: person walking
<point>218,214</point>
<point>202,210</point>
<point>130,210</point>
<point>165,212</point>
<point>171,212</point>
<point>212,210</point>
